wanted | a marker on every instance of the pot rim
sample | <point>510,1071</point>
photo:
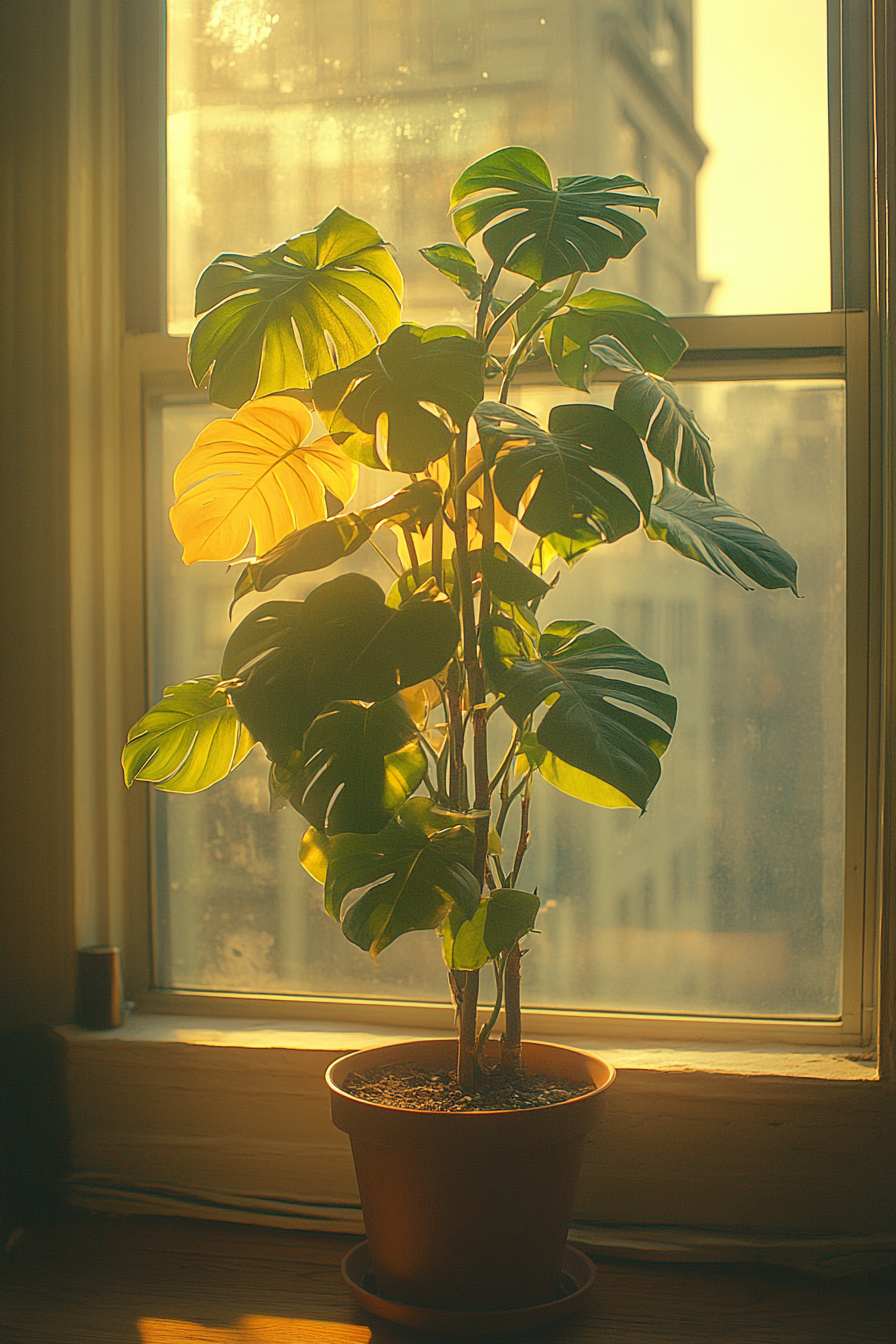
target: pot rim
<point>383,1108</point>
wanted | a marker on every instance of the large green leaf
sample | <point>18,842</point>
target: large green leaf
<point>189,740</point>
<point>718,536</point>
<point>544,232</point>
<point>288,660</point>
<point>358,765</point>
<point>607,727</point>
<point>647,334</point>
<point>409,876</point>
<point>412,508</point>
<point>578,469</point>
<point>502,918</point>
<point>457,265</point>
<point>652,407</point>
<point>400,407</point>
<point>282,318</point>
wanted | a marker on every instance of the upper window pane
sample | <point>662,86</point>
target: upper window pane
<point>280,110</point>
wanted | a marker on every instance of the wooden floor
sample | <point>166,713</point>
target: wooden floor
<point>105,1280</point>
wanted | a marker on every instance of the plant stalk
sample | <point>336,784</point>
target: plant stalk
<point>511,1040</point>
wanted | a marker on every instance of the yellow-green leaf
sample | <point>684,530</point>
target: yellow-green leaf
<point>191,739</point>
<point>254,472</point>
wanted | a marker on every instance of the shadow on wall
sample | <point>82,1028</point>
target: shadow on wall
<point>34,1130</point>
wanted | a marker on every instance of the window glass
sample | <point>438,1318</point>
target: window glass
<point>725,897</point>
<point>281,109</point>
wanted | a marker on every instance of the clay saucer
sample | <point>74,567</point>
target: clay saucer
<point>577,1280</point>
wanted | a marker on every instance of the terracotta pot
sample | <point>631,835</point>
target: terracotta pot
<point>468,1210</point>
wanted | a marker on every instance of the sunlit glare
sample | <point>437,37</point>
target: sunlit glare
<point>762,196</point>
<point>252,1330</point>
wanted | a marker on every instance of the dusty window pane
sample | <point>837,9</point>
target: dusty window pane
<point>279,113</point>
<point>726,897</point>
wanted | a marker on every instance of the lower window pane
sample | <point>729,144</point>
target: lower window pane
<point>726,897</point>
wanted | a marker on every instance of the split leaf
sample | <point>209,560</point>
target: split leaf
<point>543,232</point>
<point>400,407</point>
<point>718,536</point>
<point>254,472</point>
<point>282,318</point>
<point>597,721</point>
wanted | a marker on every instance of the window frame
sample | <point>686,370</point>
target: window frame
<point>838,344</point>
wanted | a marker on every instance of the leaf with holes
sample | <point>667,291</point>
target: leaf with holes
<point>541,231</point>
<point>400,408</point>
<point>409,876</point>
<point>590,476</point>
<point>358,765</point>
<point>718,536</point>
<point>597,722</point>
<point>652,407</point>
<point>503,917</point>
<point>288,660</point>
<point>255,473</point>
<point>643,330</point>
<point>188,741</point>
<point>282,318</point>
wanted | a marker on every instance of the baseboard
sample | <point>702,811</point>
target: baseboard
<point>829,1256</point>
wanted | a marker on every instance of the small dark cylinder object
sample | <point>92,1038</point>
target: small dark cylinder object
<point>99,988</point>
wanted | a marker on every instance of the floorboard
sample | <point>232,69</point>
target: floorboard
<point>105,1280</point>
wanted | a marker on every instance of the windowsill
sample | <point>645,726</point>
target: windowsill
<point>341,1037</point>
<point>229,1118</point>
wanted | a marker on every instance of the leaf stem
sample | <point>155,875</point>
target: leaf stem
<point>487,1027</point>
<point>542,320</point>
<point>488,288</point>
<point>510,311</point>
<point>505,764</point>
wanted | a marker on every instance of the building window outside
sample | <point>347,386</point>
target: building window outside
<point>730,889</point>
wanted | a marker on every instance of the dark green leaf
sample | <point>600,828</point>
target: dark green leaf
<point>597,722</point>
<point>412,508</point>
<point>322,544</point>
<point>191,739</point>
<point>643,330</point>
<point>651,406</point>
<point>577,467</point>
<point>400,407</point>
<point>457,265</point>
<point>409,876</point>
<point>721,538</point>
<point>540,231</point>
<point>508,578</point>
<point>310,548</point>
<point>503,917</point>
<point>337,287</point>
<point>358,765</point>
<point>288,660</point>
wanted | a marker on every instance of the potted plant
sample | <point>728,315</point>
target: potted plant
<point>406,725</point>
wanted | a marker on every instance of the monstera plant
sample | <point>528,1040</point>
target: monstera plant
<point>406,723</point>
